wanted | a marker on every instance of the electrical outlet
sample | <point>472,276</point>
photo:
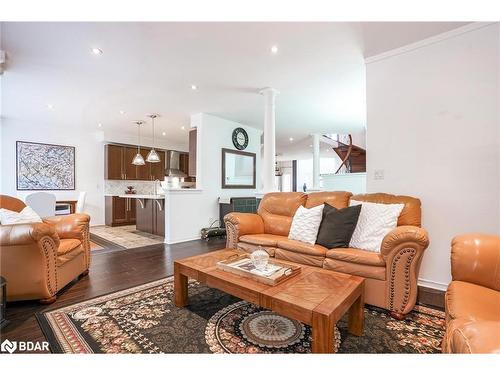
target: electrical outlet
<point>378,174</point>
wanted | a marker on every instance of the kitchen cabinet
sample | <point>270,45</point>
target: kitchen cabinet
<point>119,211</point>
<point>192,153</point>
<point>118,164</point>
<point>150,216</point>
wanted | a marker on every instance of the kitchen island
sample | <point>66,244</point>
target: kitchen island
<point>150,212</point>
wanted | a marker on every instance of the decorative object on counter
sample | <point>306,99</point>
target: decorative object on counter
<point>213,231</point>
<point>3,302</point>
<point>43,166</point>
<point>130,190</point>
<point>260,258</point>
<point>240,138</point>
<point>238,169</point>
<point>138,159</point>
<point>153,156</point>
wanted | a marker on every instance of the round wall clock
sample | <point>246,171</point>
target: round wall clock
<point>240,138</point>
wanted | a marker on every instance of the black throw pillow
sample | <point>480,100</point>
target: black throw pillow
<point>337,226</point>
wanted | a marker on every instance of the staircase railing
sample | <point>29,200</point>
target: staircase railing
<point>346,161</point>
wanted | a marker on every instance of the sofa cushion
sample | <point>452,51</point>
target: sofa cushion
<point>262,239</point>
<point>472,302</point>
<point>305,224</point>
<point>67,245</point>
<point>363,270</point>
<point>277,210</point>
<point>292,256</point>
<point>302,247</point>
<point>375,221</point>
<point>337,226</point>
<point>357,256</point>
<point>337,199</point>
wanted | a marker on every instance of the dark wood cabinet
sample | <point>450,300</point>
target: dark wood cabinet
<point>119,211</point>
<point>151,216</point>
<point>158,169</point>
<point>192,153</point>
<point>118,164</point>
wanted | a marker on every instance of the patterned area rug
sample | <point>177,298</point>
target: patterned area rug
<point>144,319</point>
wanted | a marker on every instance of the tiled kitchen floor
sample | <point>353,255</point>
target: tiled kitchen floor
<point>126,236</point>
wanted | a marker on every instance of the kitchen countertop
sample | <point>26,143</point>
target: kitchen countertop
<point>142,196</point>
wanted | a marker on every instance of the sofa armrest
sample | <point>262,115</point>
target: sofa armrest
<point>402,250</point>
<point>74,226</point>
<point>475,258</point>
<point>34,248</point>
<point>239,224</point>
<point>25,234</point>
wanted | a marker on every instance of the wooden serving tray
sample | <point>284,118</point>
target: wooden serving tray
<point>276,278</point>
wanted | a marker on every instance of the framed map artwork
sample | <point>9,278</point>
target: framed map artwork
<point>44,166</point>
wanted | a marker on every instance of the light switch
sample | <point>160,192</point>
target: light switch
<point>378,174</point>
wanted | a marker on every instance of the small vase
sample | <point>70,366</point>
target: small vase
<point>260,258</point>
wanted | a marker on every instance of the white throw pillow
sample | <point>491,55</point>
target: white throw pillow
<point>305,224</point>
<point>27,215</point>
<point>375,221</point>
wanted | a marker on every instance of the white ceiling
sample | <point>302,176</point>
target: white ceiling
<point>149,67</point>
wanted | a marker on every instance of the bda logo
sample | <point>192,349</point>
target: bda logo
<point>8,346</point>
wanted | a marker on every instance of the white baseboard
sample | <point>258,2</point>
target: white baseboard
<point>432,284</point>
<point>181,240</point>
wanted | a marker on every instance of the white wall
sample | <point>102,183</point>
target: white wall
<point>187,211</point>
<point>433,128</point>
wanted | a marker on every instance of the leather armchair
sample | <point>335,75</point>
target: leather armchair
<point>39,259</point>
<point>472,299</point>
<point>390,276</point>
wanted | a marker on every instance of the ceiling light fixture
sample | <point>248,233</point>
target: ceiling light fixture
<point>274,50</point>
<point>194,87</point>
<point>96,51</point>
<point>291,139</point>
<point>50,106</point>
<point>99,125</point>
<point>164,133</point>
<point>183,128</point>
<point>122,112</point>
<point>153,155</point>
<point>138,158</point>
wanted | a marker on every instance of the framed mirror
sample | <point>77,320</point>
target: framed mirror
<point>238,169</point>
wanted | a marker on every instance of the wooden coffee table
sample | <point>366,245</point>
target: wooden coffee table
<point>316,296</point>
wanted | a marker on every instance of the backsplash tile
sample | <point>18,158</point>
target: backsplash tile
<point>118,187</point>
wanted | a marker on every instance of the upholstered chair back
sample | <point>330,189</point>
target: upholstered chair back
<point>411,214</point>
<point>337,199</point>
<point>11,203</point>
<point>277,210</point>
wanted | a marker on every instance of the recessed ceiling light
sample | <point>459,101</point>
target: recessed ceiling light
<point>310,145</point>
<point>194,87</point>
<point>291,139</point>
<point>99,125</point>
<point>164,134</point>
<point>96,51</point>
<point>183,128</point>
<point>274,50</point>
<point>50,106</point>
<point>122,112</point>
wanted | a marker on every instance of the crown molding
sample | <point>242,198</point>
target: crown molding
<point>428,41</point>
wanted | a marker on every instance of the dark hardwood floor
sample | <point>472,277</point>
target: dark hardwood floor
<point>110,270</point>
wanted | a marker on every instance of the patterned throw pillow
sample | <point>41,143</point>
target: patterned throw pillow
<point>27,215</point>
<point>374,222</point>
<point>305,224</point>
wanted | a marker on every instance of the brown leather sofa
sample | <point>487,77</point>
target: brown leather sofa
<point>391,275</point>
<point>39,259</point>
<point>473,297</point>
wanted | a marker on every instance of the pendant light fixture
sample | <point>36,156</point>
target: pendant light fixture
<point>138,159</point>
<point>153,155</point>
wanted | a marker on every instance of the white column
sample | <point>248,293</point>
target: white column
<point>315,144</point>
<point>269,158</point>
